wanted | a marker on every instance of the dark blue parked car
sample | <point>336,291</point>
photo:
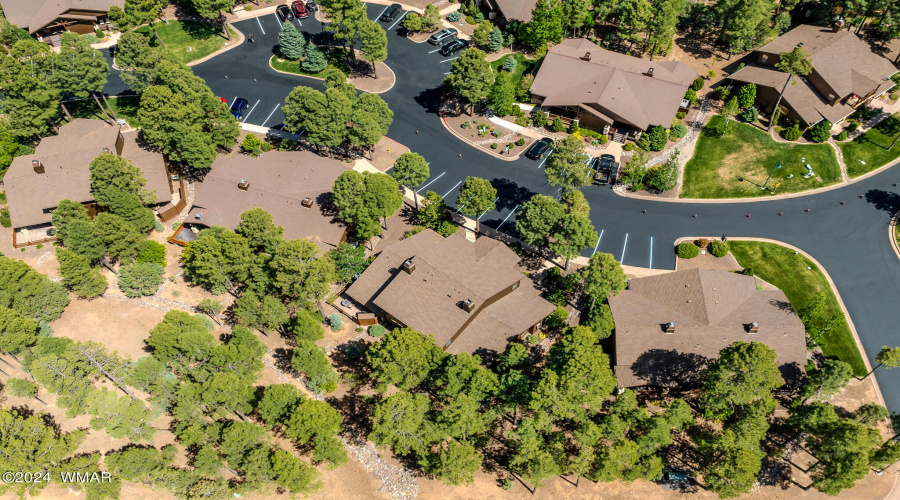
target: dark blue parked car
<point>238,107</point>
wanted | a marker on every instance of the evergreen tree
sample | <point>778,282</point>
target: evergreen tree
<point>476,197</point>
<point>537,218</point>
<point>64,213</point>
<point>743,373</point>
<point>291,42</point>
<point>470,76</point>
<point>602,276</point>
<point>265,314</point>
<point>431,19</point>
<point>403,358</point>
<point>16,331</point>
<point>217,260</point>
<point>141,279</point>
<point>301,275</point>
<point>746,96</point>
<point>82,70</point>
<point>399,422</point>
<point>568,165</point>
<point>259,228</point>
<point>546,25</point>
<point>85,282</point>
<point>313,59</point>
<point>495,40</point>
<point>502,95</point>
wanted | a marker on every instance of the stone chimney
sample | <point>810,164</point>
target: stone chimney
<point>837,25</point>
<point>468,305</point>
<point>670,328</point>
<point>105,150</point>
<point>37,166</point>
<point>586,56</point>
<point>650,72</point>
<point>244,185</point>
<point>409,266</point>
<point>307,202</point>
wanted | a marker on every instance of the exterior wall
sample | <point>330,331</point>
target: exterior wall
<point>822,87</point>
<point>766,98</point>
<point>588,120</point>
<point>767,59</point>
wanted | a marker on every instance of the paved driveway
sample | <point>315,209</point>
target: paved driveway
<point>850,240</point>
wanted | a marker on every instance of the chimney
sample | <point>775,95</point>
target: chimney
<point>650,72</point>
<point>837,25</point>
<point>37,166</point>
<point>244,185</point>
<point>105,150</point>
<point>307,202</point>
<point>586,56</point>
<point>670,328</point>
<point>468,305</point>
<point>753,327</point>
<point>408,266</point>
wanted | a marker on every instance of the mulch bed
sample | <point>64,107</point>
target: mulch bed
<point>470,135</point>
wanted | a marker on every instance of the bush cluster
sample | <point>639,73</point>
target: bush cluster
<point>718,248</point>
<point>688,250</point>
<point>792,133</point>
<point>454,17</point>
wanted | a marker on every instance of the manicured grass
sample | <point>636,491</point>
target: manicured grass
<point>872,148</point>
<point>125,107</point>
<point>189,40</point>
<point>523,65</point>
<point>737,164</point>
<point>779,266</point>
<point>337,58</point>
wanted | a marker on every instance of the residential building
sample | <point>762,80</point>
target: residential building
<point>48,19</point>
<point>847,74</point>
<point>293,186</point>
<point>614,93</point>
<point>670,325</point>
<point>468,295</point>
<point>503,11</point>
<point>59,169</point>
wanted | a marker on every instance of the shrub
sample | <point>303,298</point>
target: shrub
<point>158,226</point>
<point>523,121</point>
<point>21,388</point>
<point>152,252</point>
<point>748,271</point>
<point>352,352</point>
<point>466,124</point>
<point>750,116</point>
<point>557,318</point>
<point>493,145</point>
<point>688,250</point>
<point>722,93</point>
<point>698,84</point>
<point>655,140</point>
<point>842,136</point>
<point>454,16</point>
<point>558,125</point>
<point>252,145</point>
<point>691,96</point>
<point>510,64</point>
<point>718,248</point>
<point>603,139</point>
<point>678,131</point>
<point>852,126</point>
<point>628,146</point>
<point>470,20</point>
<point>141,279</point>
<point>5,221</point>
<point>377,330</point>
<point>336,322</point>
<point>520,142</point>
<point>539,119</point>
<point>681,115</point>
<point>479,18</point>
<point>99,34</point>
<point>820,132</point>
<point>702,243</point>
<point>711,74</point>
<point>894,96</point>
<point>793,133</point>
<point>557,297</point>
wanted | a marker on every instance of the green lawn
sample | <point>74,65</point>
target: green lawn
<point>736,165</point>
<point>189,40</point>
<point>779,266</point>
<point>523,65</point>
<point>125,107</point>
<point>872,148</point>
<point>337,58</point>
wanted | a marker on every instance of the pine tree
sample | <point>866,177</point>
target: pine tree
<point>495,40</point>
<point>314,60</point>
<point>291,42</point>
<point>141,279</point>
<point>85,282</point>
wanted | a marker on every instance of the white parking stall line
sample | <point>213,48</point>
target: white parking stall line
<point>382,12</point>
<point>260,26</point>
<point>488,210</point>
<point>447,73</point>
<point>248,113</point>
<point>452,59</point>
<point>547,155</point>
<point>623,248</point>
<point>598,243</point>
<point>651,252</point>
<point>451,189</point>
<point>429,182</point>
<point>270,115</point>
<point>398,20</point>
<point>279,20</point>
<point>435,50</point>
<point>507,217</point>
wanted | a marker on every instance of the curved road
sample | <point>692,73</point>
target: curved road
<point>850,241</point>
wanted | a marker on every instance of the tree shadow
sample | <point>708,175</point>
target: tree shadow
<point>669,368</point>
<point>430,99</point>
<point>511,194</point>
<point>886,201</point>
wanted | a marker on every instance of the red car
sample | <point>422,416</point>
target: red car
<point>300,9</point>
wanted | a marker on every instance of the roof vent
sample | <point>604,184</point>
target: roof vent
<point>105,150</point>
<point>468,305</point>
<point>650,72</point>
<point>670,327</point>
<point>37,166</point>
<point>198,216</point>
<point>307,202</point>
<point>244,185</point>
<point>753,327</point>
<point>409,266</point>
<point>586,56</point>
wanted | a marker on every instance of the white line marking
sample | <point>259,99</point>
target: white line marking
<point>270,115</point>
<point>623,248</point>
<point>279,20</point>
<point>301,132</point>
<point>507,217</point>
<point>598,243</point>
<point>453,59</point>
<point>433,51</point>
<point>651,252</point>
<point>248,113</point>
<point>451,189</point>
<point>382,12</point>
<point>460,208</point>
<point>260,26</point>
<point>447,73</point>
<point>488,210</point>
<point>299,22</point>
<point>398,20</point>
<point>429,183</point>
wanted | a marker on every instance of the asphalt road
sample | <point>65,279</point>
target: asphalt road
<point>851,240</point>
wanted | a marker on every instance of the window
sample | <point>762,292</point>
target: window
<point>515,285</point>
<point>763,58</point>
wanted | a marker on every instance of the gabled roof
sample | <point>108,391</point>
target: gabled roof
<point>520,10</point>
<point>447,272</point>
<point>66,159</point>
<point>711,310</point>
<point>278,183</point>
<point>613,84</point>
<point>35,14</point>
<point>842,59</point>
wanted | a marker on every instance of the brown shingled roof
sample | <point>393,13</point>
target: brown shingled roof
<point>711,310</point>
<point>66,158</point>
<point>278,183</point>
<point>447,272</point>
<point>35,14</point>
<point>615,85</point>
<point>519,10</point>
